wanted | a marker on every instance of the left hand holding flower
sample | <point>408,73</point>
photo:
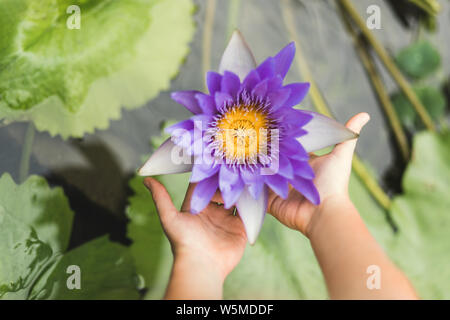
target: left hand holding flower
<point>206,246</point>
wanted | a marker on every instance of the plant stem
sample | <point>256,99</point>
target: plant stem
<point>377,83</point>
<point>207,35</point>
<point>371,184</point>
<point>319,103</point>
<point>390,65</point>
<point>26,153</point>
<point>233,16</point>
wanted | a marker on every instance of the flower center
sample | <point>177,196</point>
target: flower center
<point>242,133</point>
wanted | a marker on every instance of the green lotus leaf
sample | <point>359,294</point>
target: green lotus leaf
<point>419,60</point>
<point>433,99</point>
<point>35,228</point>
<point>23,257</point>
<point>73,81</point>
<point>422,243</point>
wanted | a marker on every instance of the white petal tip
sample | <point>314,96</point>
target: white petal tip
<point>237,57</point>
<point>252,213</point>
<point>161,162</point>
<point>324,132</point>
<point>146,172</point>
<point>252,241</point>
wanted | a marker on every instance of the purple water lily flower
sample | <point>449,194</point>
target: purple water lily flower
<point>245,136</point>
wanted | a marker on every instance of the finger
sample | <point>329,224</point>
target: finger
<point>164,205</point>
<point>345,149</point>
<point>273,203</point>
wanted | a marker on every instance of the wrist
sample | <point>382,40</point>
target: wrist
<point>193,277</point>
<point>194,262</point>
<point>326,213</point>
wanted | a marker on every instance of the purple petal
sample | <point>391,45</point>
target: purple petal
<point>266,69</point>
<point>189,133</point>
<point>279,98</point>
<point>251,80</point>
<point>185,125</point>
<point>294,117</point>
<point>202,121</point>
<point>324,132</point>
<point>203,171</point>
<point>222,99</point>
<point>285,167</point>
<point>206,103</point>
<point>278,184</point>
<point>161,161</point>
<point>296,132</point>
<point>182,133</point>
<point>298,93</point>
<point>254,182</point>
<point>302,169</point>
<point>187,99</point>
<point>231,195</point>
<point>307,188</point>
<point>252,213</point>
<point>283,59</point>
<point>203,194</point>
<point>274,84</point>
<point>237,57</point>
<point>227,177</point>
<point>260,89</point>
<point>213,80</point>
<point>230,83</point>
<point>293,149</point>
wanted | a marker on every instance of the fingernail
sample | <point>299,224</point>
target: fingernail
<point>367,118</point>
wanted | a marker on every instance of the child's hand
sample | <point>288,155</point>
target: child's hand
<point>332,177</point>
<point>213,239</point>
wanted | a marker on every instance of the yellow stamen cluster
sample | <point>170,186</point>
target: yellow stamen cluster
<point>242,133</point>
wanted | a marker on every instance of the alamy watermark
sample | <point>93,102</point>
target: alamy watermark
<point>374,280</point>
<point>74,280</point>
<point>74,20</point>
<point>374,19</point>
<point>229,146</point>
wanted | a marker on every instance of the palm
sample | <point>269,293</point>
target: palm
<point>295,211</point>
<point>214,232</point>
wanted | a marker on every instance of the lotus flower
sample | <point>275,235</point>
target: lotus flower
<point>245,136</point>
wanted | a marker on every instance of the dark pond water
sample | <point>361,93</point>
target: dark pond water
<point>94,171</point>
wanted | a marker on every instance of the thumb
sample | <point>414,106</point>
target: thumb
<point>344,150</point>
<point>164,205</point>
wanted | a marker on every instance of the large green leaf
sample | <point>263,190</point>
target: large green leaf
<point>70,82</point>
<point>107,272</point>
<point>419,60</point>
<point>421,247</point>
<point>35,204</point>
<point>35,226</point>
<point>23,257</point>
<point>433,100</point>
